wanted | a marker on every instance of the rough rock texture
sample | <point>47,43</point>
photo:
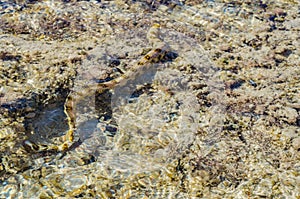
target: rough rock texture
<point>219,120</point>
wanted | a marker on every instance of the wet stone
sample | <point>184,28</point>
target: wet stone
<point>215,116</point>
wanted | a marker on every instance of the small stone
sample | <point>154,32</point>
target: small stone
<point>296,143</point>
<point>30,115</point>
<point>163,8</point>
<point>290,132</point>
<point>289,114</point>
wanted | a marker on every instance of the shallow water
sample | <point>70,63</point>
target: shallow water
<point>218,118</point>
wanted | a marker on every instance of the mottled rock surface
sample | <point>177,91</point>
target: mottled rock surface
<point>221,119</point>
